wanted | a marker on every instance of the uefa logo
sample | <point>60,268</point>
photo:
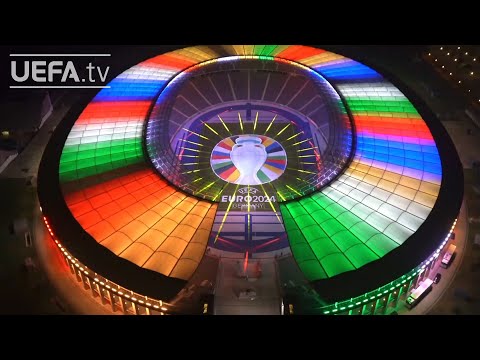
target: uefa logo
<point>248,159</point>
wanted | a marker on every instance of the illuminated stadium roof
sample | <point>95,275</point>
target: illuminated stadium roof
<point>264,96</point>
<point>353,169</point>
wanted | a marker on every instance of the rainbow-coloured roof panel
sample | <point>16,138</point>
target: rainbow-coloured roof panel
<point>381,199</point>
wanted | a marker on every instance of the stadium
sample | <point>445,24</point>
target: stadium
<point>251,179</point>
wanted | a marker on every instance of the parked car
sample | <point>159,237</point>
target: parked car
<point>437,278</point>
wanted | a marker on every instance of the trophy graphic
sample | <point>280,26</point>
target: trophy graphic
<point>248,155</point>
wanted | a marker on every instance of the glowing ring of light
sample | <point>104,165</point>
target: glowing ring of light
<point>384,196</point>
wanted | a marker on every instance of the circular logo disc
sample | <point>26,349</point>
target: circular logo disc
<point>248,159</point>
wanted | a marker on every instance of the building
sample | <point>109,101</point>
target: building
<point>280,176</point>
<point>21,117</point>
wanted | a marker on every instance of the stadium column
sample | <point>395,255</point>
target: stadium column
<point>364,309</point>
<point>401,293</point>
<point>110,298</point>
<point>421,277</point>
<point>84,280</point>
<point>390,299</point>
<point>434,262</point>
<point>77,276</point>
<point>378,305</point>
<point>405,290</point>
<point>92,287</point>
<point>395,296</point>
<point>372,305</point>
<point>356,311</point>
<point>368,309</point>
<point>122,305</point>
<point>427,270</point>
<point>72,267</point>
<point>100,293</point>
<point>131,305</point>
<point>412,284</point>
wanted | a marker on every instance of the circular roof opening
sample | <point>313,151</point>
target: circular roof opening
<point>214,105</point>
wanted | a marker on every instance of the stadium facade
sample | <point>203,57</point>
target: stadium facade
<point>290,154</point>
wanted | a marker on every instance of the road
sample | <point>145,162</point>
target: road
<point>448,275</point>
